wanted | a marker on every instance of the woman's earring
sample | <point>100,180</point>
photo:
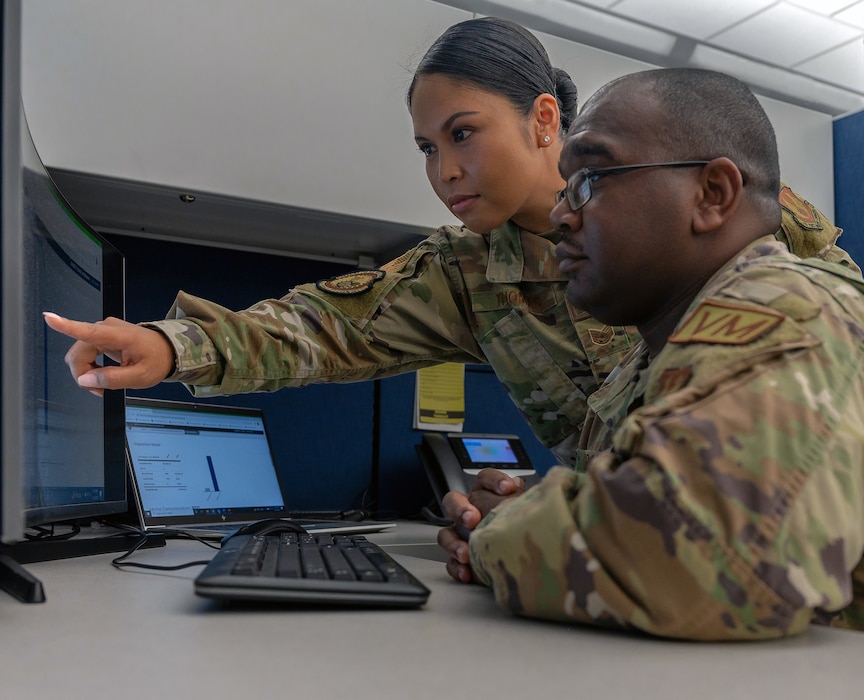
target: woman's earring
<point>546,139</point>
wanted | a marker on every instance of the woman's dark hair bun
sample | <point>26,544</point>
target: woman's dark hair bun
<point>568,97</point>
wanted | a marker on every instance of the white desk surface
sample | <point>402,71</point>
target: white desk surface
<point>105,633</point>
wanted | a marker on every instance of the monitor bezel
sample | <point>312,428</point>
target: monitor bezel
<point>114,466</point>
<point>11,343</point>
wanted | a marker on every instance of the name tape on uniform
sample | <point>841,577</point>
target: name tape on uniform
<point>726,324</point>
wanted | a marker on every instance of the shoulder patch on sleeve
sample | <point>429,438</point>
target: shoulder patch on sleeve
<point>726,324</point>
<point>802,212</point>
<point>351,283</point>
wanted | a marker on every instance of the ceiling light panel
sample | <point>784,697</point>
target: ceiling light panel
<point>785,35</point>
<point>699,20</point>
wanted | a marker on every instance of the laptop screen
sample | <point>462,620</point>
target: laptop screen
<point>200,463</point>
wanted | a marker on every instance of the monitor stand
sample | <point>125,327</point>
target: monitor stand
<point>18,582</point>
<point>21,584</point>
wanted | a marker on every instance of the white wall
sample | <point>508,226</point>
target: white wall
<point>296,102</point>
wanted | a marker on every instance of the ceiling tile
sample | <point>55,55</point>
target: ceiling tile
<point>823,7</point>
<point>843,66</point>
<point>785,35</point>
<point>853,15</point>
<point>778,82</point>
<point>694,19</point>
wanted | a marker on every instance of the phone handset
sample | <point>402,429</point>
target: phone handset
<point>443,469</point>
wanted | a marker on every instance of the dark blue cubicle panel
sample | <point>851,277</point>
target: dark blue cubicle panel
<point>322,435</point>
<point>848,178</point>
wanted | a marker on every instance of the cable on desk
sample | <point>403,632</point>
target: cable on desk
<point>120,562</point>
<point>46,533</point>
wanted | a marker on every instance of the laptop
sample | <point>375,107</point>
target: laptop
<point>206,470</point>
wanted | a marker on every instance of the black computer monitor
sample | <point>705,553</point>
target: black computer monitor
<point>62,451</point>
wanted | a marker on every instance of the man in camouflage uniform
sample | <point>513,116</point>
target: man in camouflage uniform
<point>724,491</point>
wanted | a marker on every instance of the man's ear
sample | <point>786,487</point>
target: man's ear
<point>720,195</point>
<point>547,119</point>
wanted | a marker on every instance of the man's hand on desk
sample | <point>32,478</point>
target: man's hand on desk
<point>491,488</point>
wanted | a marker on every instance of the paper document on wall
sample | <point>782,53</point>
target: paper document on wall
<point>439,398</point>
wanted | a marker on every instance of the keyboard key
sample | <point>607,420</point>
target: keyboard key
<point>337,564</point>
<point>365,569</point>
<point>312,561</point>
<point>289,561</point>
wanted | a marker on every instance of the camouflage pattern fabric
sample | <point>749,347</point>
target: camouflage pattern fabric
<point>496,299</point>
<point>725,496</point>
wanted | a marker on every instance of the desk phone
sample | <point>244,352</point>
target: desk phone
<point>452,462</point>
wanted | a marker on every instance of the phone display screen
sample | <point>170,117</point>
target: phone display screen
<point>489,450</point>
<point>475,452</point>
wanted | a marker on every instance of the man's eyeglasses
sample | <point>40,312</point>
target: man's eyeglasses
<point>578,189</point>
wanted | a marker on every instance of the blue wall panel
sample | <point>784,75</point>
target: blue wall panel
<point>322,435</point>
<point>848,179</point>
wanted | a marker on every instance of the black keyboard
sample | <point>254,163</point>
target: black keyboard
<point>309,568</point>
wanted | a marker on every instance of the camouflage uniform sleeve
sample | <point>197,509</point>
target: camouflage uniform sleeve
<point>808,233</point>
<point>730,508</point>
<point>363,325</point>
